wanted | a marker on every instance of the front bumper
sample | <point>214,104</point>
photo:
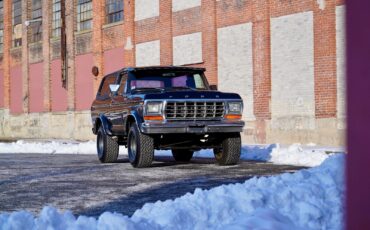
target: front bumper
<point>196,127</point>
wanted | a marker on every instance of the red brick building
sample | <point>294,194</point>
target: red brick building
<point>286,59</point>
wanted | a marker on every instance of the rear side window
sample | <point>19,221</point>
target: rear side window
<point>104,90</point>
<point>122,87</point>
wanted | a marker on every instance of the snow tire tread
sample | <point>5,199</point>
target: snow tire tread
<point>111,149</point>
<point>231,148</point>
<point>145,149</point>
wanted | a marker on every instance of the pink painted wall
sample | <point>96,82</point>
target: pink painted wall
<point>1,89</point>
<point>36,88</point>
<point>16,101</point>
<point>113,60</point>
<point>59,96</point>
<point>84,81</point>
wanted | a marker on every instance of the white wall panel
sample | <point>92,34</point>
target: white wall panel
<point>235,64</point>
<point>341,64</point>
<point>187,49</point>
<point>146,9</point>
<point>148,53</point>
<point>178,5</point>
<point>292,69</point>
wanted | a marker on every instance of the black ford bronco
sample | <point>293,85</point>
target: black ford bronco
<point>169,108</point>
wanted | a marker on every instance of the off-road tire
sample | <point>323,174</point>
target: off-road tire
<point>182,155</point>
<point>229,153</point>
<point>143,155</point>
<point>107,147</point>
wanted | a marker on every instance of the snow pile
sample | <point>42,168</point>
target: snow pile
<point>295,154</point>
<point>307,199</point>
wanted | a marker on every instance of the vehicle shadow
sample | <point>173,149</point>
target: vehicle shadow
<point>127,205</point>
<point>164,161</point>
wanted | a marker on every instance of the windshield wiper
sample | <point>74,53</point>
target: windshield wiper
<point>146,88</point>
<point>179,87</point>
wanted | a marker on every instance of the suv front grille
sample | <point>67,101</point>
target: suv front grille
<point>194,110</point>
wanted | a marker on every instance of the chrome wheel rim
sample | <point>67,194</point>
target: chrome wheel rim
<point>132,148</point>
<point>100,146</point>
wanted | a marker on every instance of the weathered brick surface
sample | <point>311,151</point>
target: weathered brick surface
<point>325,60</point>
<point>231,12</point>
<point>187,21</point>
<point>165,20</point>
<point>261,46</point>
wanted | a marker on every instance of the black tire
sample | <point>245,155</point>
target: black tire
<point>182,155</point>
<point>107,147</point>
<point>229,153</point>
<point>140,148</point>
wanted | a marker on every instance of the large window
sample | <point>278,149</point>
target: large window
<point>113,11</point>
<point>36,26</point>
<point>57,22</point>
<point>1,27</point>
<point>84,15</point>
<point>17,22</point>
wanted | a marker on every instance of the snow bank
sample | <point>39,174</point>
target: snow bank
<point>295,154</point>
<point>308,199</point>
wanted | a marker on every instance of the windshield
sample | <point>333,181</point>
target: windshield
<point>168,80</point>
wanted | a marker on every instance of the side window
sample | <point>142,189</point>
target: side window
<point>104,91</point>
<point>199,84</point>
<point>122,87</point>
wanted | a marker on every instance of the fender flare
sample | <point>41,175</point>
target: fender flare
<point>136,117</point>
<point>107,126</point>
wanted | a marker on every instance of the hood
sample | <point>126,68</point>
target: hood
<point>190,94</point>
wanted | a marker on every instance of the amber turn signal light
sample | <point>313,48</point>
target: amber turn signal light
<point>153,118</point>
<point>233,116</point>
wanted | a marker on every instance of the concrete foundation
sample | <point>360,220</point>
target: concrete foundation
<point>61,125</point>
<point>77,126</point>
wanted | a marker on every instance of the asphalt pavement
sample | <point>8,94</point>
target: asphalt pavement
<point>82,184</point>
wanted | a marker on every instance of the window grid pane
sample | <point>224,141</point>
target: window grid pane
<point>36,26</point>
<point>1,26</point>
<point>113,11</point>
<point>57,22</point>
<point>17,22</point>
<point>84,15</point>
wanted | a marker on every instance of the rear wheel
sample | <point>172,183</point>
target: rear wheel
<point>107,147</point>
<point>229,153</point>
<point>140,148</point>
<point>183,155</point>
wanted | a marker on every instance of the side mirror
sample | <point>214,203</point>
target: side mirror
<point>113,88</point>
<point>213,87</point>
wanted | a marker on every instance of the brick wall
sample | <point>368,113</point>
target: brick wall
<point>290,75</point>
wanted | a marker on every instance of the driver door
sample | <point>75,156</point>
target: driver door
<point>119,106</point>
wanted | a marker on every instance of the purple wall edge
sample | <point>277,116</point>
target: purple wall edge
<point>358,110</point>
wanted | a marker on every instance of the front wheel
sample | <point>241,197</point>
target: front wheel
<point>107,147</point>
<point>140,148</point>
<point>229,153</point>
<point>182,155</point>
